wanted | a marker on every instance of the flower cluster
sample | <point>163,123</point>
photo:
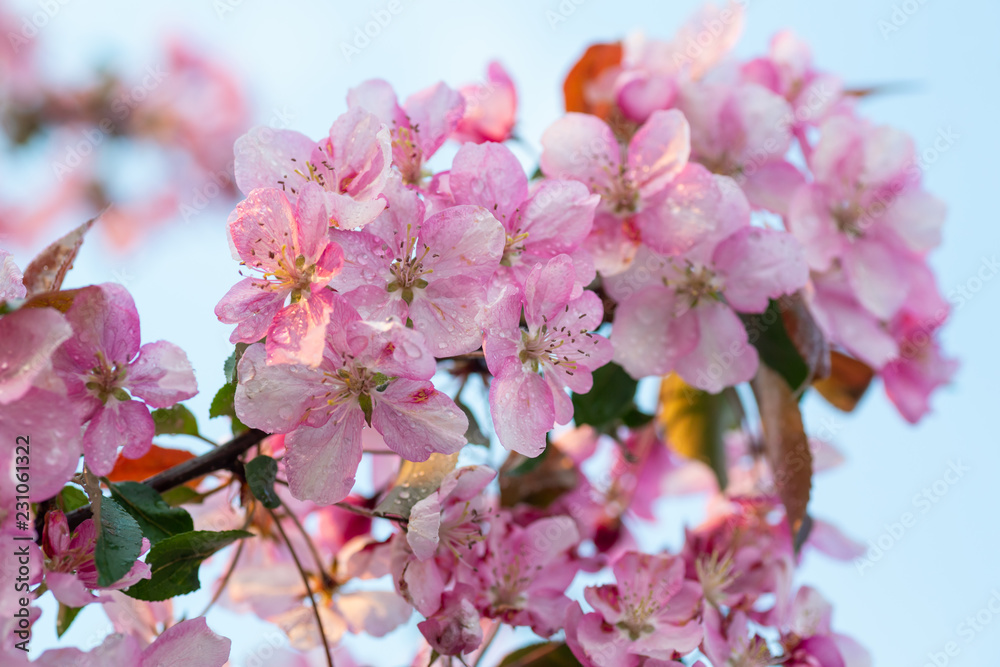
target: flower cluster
<point>693,219</point>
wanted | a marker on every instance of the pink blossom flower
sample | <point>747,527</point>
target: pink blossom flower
<point>419,127</point>
<point>190,642</point>
<point>291,247</point>
<point>866,212</point>
<point>652,70</point>
<point>490,108</point>
<point>809,640</point>
<point>744,131</point>
<point>454,629</point>
<point>70,570</point>
<point>558,342</point>
<point>370,372</point>
<point>432,272</point>
<point>350,166</point>
<point>651,612</point>
<point>522,578</point>
<point>921,368</point>
<point>679,313</point>
<point>102,364</point>
<point>553,219</point>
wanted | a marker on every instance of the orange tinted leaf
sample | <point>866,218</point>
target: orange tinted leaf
<point>156,460</point>
<point>416,480</point>
<point>60,300</point>
<point>785,443</point>
<point>595,60</point>
<point>847,382</point>
<point>48,270</point>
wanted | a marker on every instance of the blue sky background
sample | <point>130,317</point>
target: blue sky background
<point>943,568</point>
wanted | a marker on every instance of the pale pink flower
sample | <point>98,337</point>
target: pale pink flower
<point>70,570</point>
<point>523,576</point>
<point>551,219</point>
<point>455,628</point>
<point>419,127</point>
<point>809,641</point>
<point>102,364</point>
<point>680,313</point>
<point>291,247</point>
<point>432,272</point>
<point>866,212</point>
<point>371,372</point>
<point>920,369</point>
<point>350,166</point>
<point>490,108</point>
<point>558,342</point>
<point>651,612</point>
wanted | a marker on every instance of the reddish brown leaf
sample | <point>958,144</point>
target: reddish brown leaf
<point>805,333</point>
<point>595,60</point>
<point>60,300</point>
<point>47,271</point>
<point>785,443</point>
<point>156,460</point>
<point>847,382</point>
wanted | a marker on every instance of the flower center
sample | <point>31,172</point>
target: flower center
<point>105,379</point>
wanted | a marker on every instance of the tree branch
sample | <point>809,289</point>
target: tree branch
<point>221,458</point>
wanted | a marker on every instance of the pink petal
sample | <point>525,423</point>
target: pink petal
<point>322,462</point>
<point>683,213</point>
<point>55,449</point>
<point>297,334</point>
<point>251,305</point>
<point>435,112</point>
<point>659,150</point>
<point>772,185</point>
<point>125,424</point>
<point>28,338</point>
<point>645,338</point>
<point>391,349</point>
<point>643,94</point>
<point>522,408</point>
<point>467,241</point>
<point>423,527</point>
<point>446,313</point>
<point>810,220</point>
<point>11,285</point>
<point>723,357</point>
<point>161,375</point>
<point>879,274</point>
<point>190,643</point>
<point>557,217</point>
<point>375,612</point>
<point>417,420</point>
<point>378,97</point>
<point>760,264</point>
<point>264,156</point>
<point>362,153</point>
<point>69,590</point>
<point>580,147</point>
<point>547,290</point>
<point>105,320</point>
<point>916,217</point>
<point>268,395</point>
<point>489,175</point>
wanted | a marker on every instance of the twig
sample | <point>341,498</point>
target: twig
<point>222,458</point>
<point>305,582</point>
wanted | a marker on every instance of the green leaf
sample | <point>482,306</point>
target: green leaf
<point>635,418</point>
<point>766,332</point>
<point>70,498</point>
<point>175,420</point>
<point>182,495</point>
<point>175,561</point>
<point>65,617</point>
<point>547,654</point>
<point>473,435</point>
<point>608,400</point>
<point>223,403</point>
<point>261,472</point>
<point>231,363</point>
<point>118,543</point>
<point>157,519</point>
